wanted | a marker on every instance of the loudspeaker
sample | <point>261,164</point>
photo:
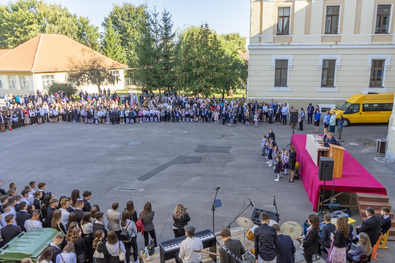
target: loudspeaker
<point>257,214</point>
<point>294,117</point>
<point>325,172</point>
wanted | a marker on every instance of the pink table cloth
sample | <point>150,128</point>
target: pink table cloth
<point>356,179</point>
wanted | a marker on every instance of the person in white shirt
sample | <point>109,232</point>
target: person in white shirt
<point>32,187</point>
<point>25,196</point>
<point>284,112</point>
<point>129,226</point>
<point>188,245</point>
<point>114,218</point>
<point>68,254</point>
<point>33,222</point>
<point>30,198</point>
<point>7,211</point>
<point>64,203</point>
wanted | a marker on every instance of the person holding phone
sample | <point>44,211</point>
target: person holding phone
<point>181,219</point>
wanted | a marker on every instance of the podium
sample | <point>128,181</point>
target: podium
<point>337,153</point>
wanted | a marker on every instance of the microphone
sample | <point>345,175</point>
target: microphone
<point>251,202</point>
<point>217,188</point>
<point>274,201</point>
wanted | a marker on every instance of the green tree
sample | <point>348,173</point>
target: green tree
<point>239,41</point>
<point>25,19</point>
<point>91,69</point>
<point>129,21</point>
<point>65,87</point>
<point>201,62</point>
<point>111,44</point>
<point>87,34</point>
<point>148,56</point>
<point>156,52</point>
<point>18,23</point>
<point>166,51</point>
<point>235,74</point>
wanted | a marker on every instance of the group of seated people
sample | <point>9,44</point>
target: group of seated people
<point>366,236</point>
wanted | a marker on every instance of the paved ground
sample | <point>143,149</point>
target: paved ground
<point>171,163</point>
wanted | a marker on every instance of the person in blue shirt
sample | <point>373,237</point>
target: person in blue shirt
<point>327,118</point>
<point>301,119</point>
<point>331,140</point>
<point>310,113</point>
<point>340,126</point>
<point>317,118</point>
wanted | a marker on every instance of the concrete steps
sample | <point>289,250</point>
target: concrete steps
<point>376,202</point>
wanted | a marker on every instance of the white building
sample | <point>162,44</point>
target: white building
<point>45,59</point>
<point>320,51</point>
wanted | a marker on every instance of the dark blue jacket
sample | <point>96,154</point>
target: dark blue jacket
<point>286,249</point>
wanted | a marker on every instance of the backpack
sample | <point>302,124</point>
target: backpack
<point>125,236</point>
<point>139,225</point>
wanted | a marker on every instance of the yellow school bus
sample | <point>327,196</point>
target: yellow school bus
<point>366,107</point>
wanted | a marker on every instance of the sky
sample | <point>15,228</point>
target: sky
<point>223,16</point>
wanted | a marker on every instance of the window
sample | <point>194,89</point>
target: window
<point>371,107</point>
<point>386,106</point>
<point>115,73</point>
<point>354,108</point>
<point>328,73</point>
<point>47,81</point>
<point>283,20</point>
<point>376,73</point>
<point>12,82</point>
<point>281,73</point>
<point>332,19</point>
<point>378,107</point>
<point>1,84</point>
<point>24,82</point>
<point>383,19</point>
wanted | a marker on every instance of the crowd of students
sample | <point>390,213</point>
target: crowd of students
<point>86,233</point>
<point>111,108</point>
<point>281,161</point>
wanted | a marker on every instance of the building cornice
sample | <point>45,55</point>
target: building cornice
<point>258,46</point>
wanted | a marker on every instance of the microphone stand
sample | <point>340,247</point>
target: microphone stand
<point>213,206</point>
<point>250,204</point>
<point>277,214</point>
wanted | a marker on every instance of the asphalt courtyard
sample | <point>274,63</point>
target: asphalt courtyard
<point>172,163</point>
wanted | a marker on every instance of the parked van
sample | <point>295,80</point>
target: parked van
<point>366,107</point>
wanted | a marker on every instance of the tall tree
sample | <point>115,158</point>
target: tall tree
<point>128,21</point>
<point>111,44</point>
<point>235,74</point>
<point>201,62</point>
<point>24,19</point>
<point>147,49</point>
<point>166,51</point>
<point>91,69</point>
<point>239,41</point>
<point>87,34</point>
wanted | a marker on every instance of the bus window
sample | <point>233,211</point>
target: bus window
<point>354,108</point>
<point>386,106</point>
<point>371,107</point>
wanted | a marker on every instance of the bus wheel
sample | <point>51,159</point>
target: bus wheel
<point>346,123</point>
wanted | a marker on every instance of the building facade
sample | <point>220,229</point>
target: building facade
<point>45,59</point>
<point>320,51</point>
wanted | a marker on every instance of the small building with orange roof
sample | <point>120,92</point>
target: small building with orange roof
<point>45,59</point>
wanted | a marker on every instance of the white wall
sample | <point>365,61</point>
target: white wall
<point>61,77</point>
<point>5,85</point>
